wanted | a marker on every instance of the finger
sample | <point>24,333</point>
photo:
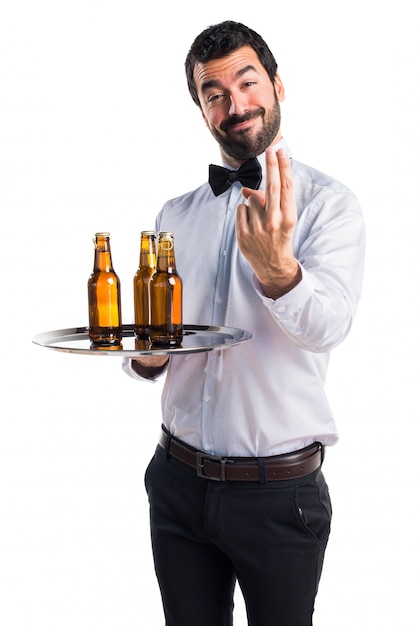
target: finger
<point>255,197</point>
<point>242,219</point>
<point>248,212</point>
<point>273,182</point>
<point>247,192</point>
<point>252,211</point>
<point>287,194</point>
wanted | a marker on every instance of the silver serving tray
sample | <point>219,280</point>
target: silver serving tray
<point>195,339</point>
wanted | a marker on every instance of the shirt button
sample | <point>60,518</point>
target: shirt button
<point>224,253</point>
<point>281,309</point>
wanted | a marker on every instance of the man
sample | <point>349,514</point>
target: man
<point>236,488</point>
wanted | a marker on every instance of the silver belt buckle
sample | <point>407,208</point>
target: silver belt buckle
<point>201,457</point>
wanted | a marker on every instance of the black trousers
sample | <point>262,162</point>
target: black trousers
<point>207,535</point>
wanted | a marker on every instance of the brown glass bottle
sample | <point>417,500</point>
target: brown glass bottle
<point>147,265</point>
<point>166,296</point>
<point>105,327</point>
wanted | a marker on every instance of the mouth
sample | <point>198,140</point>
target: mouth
<point>242,126</point>
<point>241,123</point>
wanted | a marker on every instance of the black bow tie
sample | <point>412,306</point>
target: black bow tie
<point>249,175</point>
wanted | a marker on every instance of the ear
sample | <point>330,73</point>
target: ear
<point>278,88</point>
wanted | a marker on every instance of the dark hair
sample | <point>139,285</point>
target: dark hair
<point>220,40</point>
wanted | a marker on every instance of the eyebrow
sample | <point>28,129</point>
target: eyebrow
<point>208,84</point>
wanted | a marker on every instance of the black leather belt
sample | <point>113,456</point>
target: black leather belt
<point>280,467</point>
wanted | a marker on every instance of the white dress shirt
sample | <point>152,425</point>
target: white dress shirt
<point>264,396</point>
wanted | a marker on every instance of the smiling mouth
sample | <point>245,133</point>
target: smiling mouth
<point>239,123</point>
<point>242,126</point>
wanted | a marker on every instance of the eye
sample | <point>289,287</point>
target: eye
<point>214,97</point>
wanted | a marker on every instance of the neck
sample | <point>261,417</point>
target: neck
<point>226,158</point>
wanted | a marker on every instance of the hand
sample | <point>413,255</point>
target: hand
<point>264,228</point>
<point>149,366</point>
<point>151,361</point>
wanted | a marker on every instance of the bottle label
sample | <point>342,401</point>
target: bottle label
<point>166,244</point>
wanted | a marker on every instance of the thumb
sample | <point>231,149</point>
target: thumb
<point>247,193</point>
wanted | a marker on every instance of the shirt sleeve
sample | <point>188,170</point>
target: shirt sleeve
<point>330,248</point>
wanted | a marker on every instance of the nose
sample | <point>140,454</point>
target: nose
<point>238,104</point>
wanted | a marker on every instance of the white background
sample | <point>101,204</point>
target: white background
<point>95,118</point>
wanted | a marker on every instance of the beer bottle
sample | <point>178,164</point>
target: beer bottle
<point>105,327</point>
<point>147,265</point>
<point>165,296</point>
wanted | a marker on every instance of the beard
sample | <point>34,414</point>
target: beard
<point>245,145</point>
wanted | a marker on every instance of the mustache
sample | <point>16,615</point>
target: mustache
<point>238,119</point>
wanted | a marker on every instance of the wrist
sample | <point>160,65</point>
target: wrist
<point>276,285</point>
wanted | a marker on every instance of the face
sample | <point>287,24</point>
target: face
<point>240,104</point>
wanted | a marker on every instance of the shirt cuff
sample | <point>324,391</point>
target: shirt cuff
<point>288,306</point>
